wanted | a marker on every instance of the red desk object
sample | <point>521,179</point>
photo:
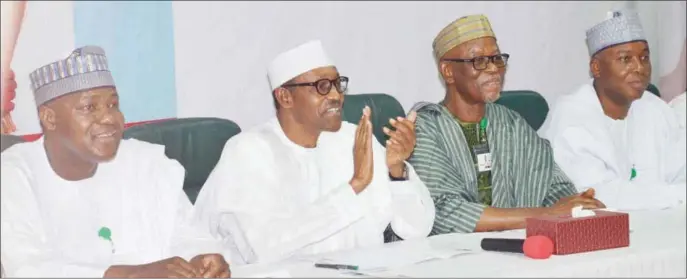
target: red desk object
<point>606,230</point>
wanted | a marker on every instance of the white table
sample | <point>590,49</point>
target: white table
<point>657,249</point>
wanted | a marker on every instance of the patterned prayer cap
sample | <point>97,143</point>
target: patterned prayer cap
<point>618,28</point>
<point>459,31</point>
<point>85,68</point>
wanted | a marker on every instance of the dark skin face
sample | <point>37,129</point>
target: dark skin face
<point>473,86</point>
<point>306,107</point>
<point>83,128</point>
<point>621,74</point>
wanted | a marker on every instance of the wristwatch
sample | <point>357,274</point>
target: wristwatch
<point>403,177</point>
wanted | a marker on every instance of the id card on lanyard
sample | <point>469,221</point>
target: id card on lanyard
<point>481,150</point>
<point>483,157</point>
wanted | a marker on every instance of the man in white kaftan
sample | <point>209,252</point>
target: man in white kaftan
<point>612,134</point>
<point>64,215</point>
<point>278,198</point>
<point>51,226</point>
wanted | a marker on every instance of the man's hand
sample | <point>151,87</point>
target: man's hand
<point>400,144</point>
<point>363,168</point>
<point>174,267</point>
<point>566,204</point>
<point>211,266</point>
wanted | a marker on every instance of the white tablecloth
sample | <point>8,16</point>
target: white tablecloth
<point>657,249</point>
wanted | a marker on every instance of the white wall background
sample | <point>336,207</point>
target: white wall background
<point>223,48</point>
<point>47,34</point>
<point>670,47</point>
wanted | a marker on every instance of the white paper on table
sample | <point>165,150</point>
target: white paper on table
<point>364,274</point>
<point>385,258</point>
<point>273,274</point>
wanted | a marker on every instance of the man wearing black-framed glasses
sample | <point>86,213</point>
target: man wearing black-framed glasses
<point>485,166</point>
<point>306,182</point>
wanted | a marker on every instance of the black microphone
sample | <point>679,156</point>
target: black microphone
<point>503,245</point>
<point>536,247</point>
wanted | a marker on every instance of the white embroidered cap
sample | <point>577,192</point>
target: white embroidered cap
<point>296,61</point>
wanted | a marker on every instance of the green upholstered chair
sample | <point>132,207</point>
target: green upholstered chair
<point>196,143</point>
<point>653,89</point>
<point>530,104</point>
<point>383,107</point>
<point>6,141</point>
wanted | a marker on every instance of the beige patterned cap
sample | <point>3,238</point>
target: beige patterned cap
<point>460,31</point>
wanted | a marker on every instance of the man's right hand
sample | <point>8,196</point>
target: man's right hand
<point>362,153</point>
<point>174,267</point>
<point>566,204</point>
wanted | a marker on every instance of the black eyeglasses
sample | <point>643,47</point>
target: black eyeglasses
<point>482,62</point>
<point>324,86</point>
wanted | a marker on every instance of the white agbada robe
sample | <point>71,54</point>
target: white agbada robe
<point>50,225</point>
<point>277,199</point>
<point>597,151</point>
<point>679,104</point>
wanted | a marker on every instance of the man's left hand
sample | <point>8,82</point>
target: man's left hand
<point>400,144</point>
<point>212,266</point>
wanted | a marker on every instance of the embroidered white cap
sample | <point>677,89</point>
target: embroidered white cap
<point>296,61</point>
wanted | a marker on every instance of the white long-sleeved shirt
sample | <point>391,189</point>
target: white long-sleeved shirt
<point>50,226</point>
<point>597,151</point>
<point>277,199</point>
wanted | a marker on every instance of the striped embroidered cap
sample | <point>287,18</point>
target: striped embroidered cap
<point>459,31</point>
<point>85,68</point>
<point>619,27</point>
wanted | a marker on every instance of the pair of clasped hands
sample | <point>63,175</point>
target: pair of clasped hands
<point>399,146</point>
<point>201,266</point>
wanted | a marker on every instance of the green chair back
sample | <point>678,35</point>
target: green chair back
<point>196,143</point>
<point>529,104</point>
<point>653,89</point>
<point>383,107</point>
<point>6,141</point>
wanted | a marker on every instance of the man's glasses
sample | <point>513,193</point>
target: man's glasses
<point>324,86</point>
<point>482,62</point>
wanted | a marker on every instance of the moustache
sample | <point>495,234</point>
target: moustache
<point>332,104</point>
<point>494,79</point>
